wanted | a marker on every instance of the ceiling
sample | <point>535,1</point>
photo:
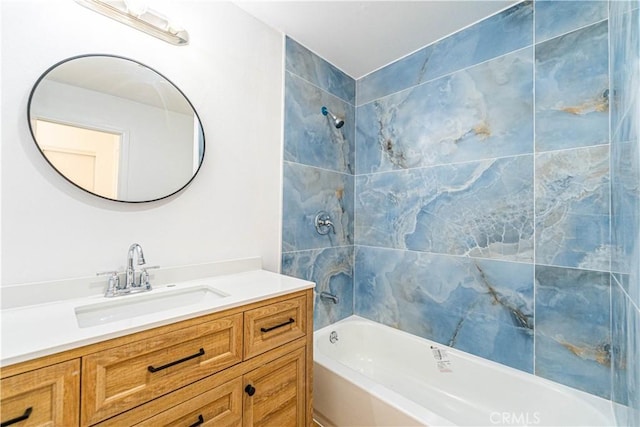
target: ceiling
<point>359,37</point>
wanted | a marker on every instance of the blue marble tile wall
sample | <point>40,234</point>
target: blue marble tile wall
<point>318,176</point>
<point>482,192</point>
<point>625,222</point>
<point>494,207</point>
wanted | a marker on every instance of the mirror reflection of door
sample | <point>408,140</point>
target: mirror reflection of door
<point>87,157</point>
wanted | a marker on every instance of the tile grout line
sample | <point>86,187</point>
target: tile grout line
<point>611,277</point>
<point>355,219</point>
<point>291,162</point>
<point>533,113</point>
<point>488,159</point>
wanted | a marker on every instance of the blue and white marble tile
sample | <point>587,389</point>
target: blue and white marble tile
<point>619,349</point>
<point>633,364</point>
<point>306,191</point>
<point>625,72</point>
<point>491,339</point>
<point>625,220</point>
<point>497,35</point>
<point>572,328</point>
<point>572,208</point>
<point>625,180</point>
<point>481,209</point>
<point>482,112</point>
<point>625,208</point>
<point>402,74</point>
<point>616,6</point>
<point>311,138</point>
<point>301,61</point>
<point>556,17</point>
<point>480,306</point>
<point>626,363</point>
<point>332,271</point>
<point>572,89</point>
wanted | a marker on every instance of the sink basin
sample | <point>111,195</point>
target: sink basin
<point>129,306</point>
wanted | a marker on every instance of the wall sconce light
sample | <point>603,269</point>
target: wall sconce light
<point>135,14</point>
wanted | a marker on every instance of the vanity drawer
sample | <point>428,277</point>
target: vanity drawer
<point>120,378</point>
<point>46,396</point>
<point>220,407</point>
<point>273,325</point>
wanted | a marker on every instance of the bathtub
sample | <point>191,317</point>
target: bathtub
<point>374,375</point>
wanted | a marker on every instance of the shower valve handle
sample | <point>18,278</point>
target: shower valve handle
<point>323,223</point>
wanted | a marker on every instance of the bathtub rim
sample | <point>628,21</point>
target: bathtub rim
<point>414,410</point>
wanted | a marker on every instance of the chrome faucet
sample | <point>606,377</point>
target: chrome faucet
<point>131,284</point>
<point>131,272</point>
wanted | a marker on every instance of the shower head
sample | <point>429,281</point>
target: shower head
<point>338,123</point>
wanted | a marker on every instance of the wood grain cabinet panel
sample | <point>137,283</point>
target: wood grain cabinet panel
<point>43,397</point>
<point>220,407</point>
<point>120,378</point>
<point>275,393</point>
<point>274,325</point>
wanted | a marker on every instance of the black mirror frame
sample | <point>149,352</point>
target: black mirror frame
<point>46,72</point>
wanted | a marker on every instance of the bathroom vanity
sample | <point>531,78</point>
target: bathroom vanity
<point>241,359</point>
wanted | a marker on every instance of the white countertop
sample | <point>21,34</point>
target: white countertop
<point>38,330</point>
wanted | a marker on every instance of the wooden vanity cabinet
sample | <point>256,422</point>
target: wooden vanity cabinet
<point>248,366</point>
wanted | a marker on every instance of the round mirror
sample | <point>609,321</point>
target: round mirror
<point>116,128</point>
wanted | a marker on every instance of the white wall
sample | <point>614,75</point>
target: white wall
<point>232,73</point>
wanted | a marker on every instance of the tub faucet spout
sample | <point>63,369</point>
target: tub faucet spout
<point>329,297</point>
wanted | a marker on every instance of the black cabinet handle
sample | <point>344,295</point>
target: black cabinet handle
<point>288,322</point>
<point>250,390</point>
<point>22,417</point>
<point>197,423</point>
<point>168,365</point>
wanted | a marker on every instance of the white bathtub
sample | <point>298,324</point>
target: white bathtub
<point>375,375</point>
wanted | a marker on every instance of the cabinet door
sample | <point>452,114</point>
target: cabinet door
<point>275,392</point>
<point>47,396</point>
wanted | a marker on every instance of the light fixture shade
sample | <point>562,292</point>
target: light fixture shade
<point>141,18</point>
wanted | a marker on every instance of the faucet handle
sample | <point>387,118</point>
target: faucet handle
<point>114,282</point>
<point>144,276</point>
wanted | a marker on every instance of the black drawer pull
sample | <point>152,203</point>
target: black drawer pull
<point>288,322</point>
<point>168,365</point>
<point>197,423</point>
<point>22,417</point>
